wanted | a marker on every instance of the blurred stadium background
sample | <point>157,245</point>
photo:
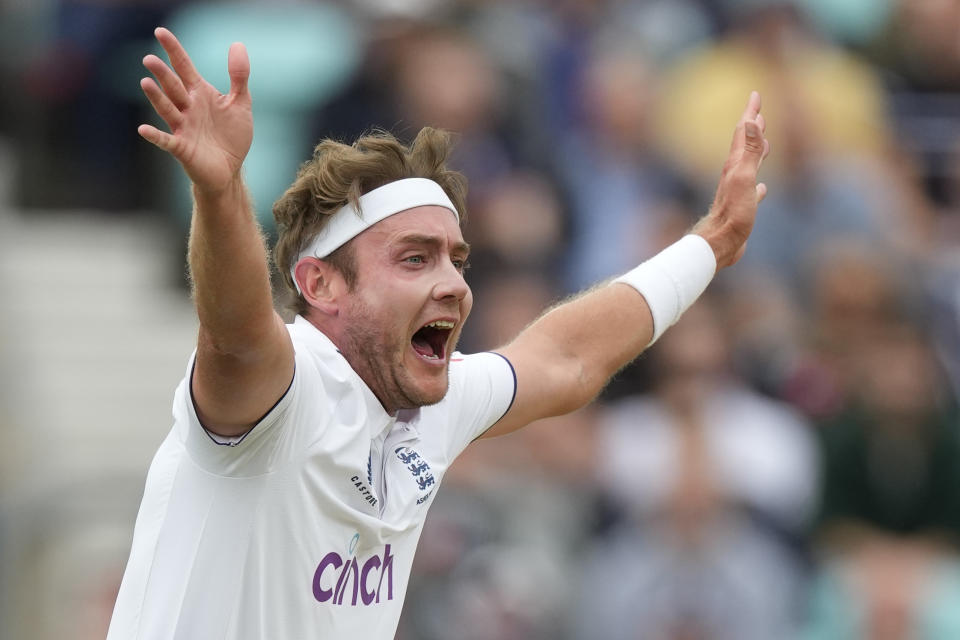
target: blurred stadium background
<point>784,464</point>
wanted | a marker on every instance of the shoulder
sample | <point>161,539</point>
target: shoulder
<point>490,363</point>
<point>480,378</point>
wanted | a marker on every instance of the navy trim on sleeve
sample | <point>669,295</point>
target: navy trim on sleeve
<point>257,423</point>
<point>512,398</point>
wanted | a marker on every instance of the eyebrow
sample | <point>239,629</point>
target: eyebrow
<point>434,241</point>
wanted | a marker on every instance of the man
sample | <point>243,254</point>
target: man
<point>288,498</point>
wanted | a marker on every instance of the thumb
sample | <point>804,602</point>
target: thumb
<point>238,66</point>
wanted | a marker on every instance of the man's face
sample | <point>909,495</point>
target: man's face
<point>404,316</point>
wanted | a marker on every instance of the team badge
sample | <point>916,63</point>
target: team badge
<point>418,468</point>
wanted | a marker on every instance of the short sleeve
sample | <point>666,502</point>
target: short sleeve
<point>262,449</point>
<point>482,389</point>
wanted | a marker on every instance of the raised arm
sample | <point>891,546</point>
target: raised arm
<point>244,357</point>
<point>565,358</point>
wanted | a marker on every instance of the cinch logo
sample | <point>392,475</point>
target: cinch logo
<point>359,578</point>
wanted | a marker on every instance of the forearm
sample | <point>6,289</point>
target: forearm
<point>564,359</point>
<point>606,329</point>
<point>229,270</point>
<point>588,339</point>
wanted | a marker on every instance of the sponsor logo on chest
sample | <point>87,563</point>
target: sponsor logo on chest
<point>353,581</point>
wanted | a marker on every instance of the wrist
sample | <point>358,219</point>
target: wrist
<point>229,193</point>
<point>727,239</point>
<point>708,229</point>
<point>672,280</point>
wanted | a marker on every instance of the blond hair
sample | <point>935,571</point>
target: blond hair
<point>339,174</point>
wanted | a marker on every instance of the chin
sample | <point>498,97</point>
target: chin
<point>427,394</point>
<point>434,395</point>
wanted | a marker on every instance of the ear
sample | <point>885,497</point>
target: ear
<point>321,284</point>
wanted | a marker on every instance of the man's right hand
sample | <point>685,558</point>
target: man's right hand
<point>244,355</point>
<point>210,133</point>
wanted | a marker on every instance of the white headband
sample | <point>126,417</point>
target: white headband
<point>380,203</point>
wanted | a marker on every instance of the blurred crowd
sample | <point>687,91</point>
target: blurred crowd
<point>785,462</point>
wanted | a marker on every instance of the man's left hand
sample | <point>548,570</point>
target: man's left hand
<point>730,220</point>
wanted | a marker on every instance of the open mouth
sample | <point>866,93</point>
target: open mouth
<point>430,342</point>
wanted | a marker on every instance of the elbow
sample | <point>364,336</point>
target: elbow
<point>583,386</point>
<point>223,348</point>
<point>239,345</point>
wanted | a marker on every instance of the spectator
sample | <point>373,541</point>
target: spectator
<point>889,525</point>
<point>715,486</point>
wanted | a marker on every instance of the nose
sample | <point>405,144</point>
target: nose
<point>451,284</point>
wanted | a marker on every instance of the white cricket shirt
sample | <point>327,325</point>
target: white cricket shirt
<point>305,527</point>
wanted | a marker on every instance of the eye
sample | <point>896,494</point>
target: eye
<point>417,259</point>
<point>461,265</point>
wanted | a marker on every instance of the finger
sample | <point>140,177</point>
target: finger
<point>766,152</point>
<point>761,192</point>
<point>161,103</point>
<point>161,139</point>
<point>750,114</point>
<point>178,57</point>
<point>170,82</point>
<point>754,145</point>
<point>761,121</point>
<point>238,65</point>
<point>752,110</point>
